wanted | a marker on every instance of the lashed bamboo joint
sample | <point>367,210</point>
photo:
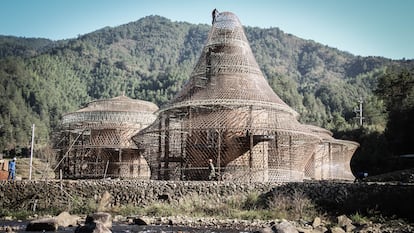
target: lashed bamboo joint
<point>227,112</point>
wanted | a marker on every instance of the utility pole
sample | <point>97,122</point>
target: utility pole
<point>359,112</point>
<point>31,153</point>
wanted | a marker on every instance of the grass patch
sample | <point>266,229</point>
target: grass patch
<point>159,209</point>
<point>18,215</point>
<point>359,218</point>
<point>27,214</point>
<point>245,207</point>
<point>292,206</point>
<point>128,210</point>
<point>80,205</point>
<point>251,206</point>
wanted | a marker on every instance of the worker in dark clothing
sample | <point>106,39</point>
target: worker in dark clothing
<point>214,14</point>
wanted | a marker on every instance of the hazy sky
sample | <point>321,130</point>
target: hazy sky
<point>361,27</point>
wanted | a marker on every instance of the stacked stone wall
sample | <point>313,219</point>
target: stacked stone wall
<point>386,199</point>
<point>389,199</point>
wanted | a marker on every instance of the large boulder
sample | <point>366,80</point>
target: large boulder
<point>105,202</point>
<point>99,222</point>
<point>8,229</point>
<point>265,230</point>
<point>316,222</point>
<point>65,219</point>
<point>45,224</point>
<point>104,218</point>
<point>140,221</point>
<point>337,230</point>
<point>284,227</point>
<point>345,223</point>
<point>92,227</point>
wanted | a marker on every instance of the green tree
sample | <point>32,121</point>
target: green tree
<point>396,88</point>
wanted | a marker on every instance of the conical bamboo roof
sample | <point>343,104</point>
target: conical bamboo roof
<point>227,72</point>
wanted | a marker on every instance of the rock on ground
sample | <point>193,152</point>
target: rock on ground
<point>93,227</point>
<point>99,222</point>
<point>284,227</point>
<point>65,219</point>
<point>45,224</point>
<point>104,218</point>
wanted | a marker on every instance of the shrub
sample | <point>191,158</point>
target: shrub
<point>358,218</point>
<point>292,206</point>
<point>80,205</point>
<point>252,201</point>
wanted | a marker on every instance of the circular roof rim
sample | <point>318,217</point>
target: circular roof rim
<point>229,102</point>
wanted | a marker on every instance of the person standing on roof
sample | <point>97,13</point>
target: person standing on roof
<point>12,169</point>
<point>214,14</point>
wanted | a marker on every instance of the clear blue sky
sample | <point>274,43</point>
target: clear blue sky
<point>361,27</point>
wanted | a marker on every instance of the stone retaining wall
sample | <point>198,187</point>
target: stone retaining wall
<point>385,199</point>
<point>20,195</point>
<point>341,197</point>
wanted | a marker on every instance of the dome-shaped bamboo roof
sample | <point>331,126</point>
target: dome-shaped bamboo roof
<point>117,110</point>
<point>119,104</point>
<point>227,72</point>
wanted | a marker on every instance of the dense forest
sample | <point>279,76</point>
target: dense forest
<point>150,59</point>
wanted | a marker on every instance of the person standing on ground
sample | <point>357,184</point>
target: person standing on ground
<point>212,170</point>
<point>12,169</point>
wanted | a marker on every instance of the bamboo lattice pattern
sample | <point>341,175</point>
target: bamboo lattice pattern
<point>95,142</point>
<point>227,112</point>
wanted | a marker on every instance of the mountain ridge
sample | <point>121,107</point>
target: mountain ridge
<point>151,58</point>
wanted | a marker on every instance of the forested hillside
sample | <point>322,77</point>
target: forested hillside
<point>151,58</point>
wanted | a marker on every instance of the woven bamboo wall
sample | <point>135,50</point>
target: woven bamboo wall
<point>332,157</point>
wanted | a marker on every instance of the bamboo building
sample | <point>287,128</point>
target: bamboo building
<point>95,141</point>
<point>227,112</point>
